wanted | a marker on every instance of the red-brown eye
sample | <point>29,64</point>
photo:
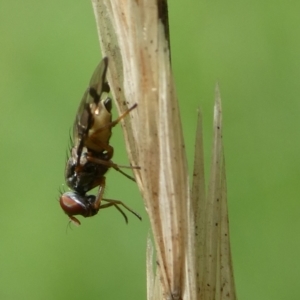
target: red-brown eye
<point>73,204</point>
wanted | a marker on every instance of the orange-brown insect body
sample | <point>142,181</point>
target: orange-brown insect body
<point>91,154</point>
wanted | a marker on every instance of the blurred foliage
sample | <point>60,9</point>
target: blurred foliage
<point>48,53</point>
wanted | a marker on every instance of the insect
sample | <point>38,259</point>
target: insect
<point>91,153</point>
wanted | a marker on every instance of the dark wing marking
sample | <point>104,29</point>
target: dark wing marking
<point>84,120</point>
<point>98,80</point>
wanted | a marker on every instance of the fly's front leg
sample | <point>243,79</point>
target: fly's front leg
<point>115,122</point>
<point>116,203</point>
<point>97,203</point>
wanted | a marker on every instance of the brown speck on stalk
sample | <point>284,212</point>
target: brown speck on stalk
<point>190,250</point>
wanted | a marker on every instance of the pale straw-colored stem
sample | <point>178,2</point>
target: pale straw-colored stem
<point>134,35</point>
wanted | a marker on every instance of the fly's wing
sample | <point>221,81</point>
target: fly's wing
<point>98,80</point>
<point>83,119</point>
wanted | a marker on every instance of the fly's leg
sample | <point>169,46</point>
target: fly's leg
<point>115,122</point>
<point>96,205</point>
<point>116,203</point>
<point>110,202</point>
<point>110,164</point>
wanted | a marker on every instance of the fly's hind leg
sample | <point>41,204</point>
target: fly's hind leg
<point>116,203</point>
<point>111,164</point>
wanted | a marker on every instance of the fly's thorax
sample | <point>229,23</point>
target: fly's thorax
<point>84,176</point>
<point>100,131</point>
<point>71,170</point>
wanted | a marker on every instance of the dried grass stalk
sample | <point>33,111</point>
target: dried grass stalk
<point>134,35</point>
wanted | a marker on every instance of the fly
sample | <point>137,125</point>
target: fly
<point>91,153</point>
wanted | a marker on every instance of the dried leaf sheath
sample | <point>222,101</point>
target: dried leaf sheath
<point>156,127</point>
<point>134,35</point>
<point>196,213</point>
<point>227,286</point>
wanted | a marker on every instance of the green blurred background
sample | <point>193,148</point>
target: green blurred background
<point>47,54</point>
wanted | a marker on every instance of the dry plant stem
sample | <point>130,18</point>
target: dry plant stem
<point>197,213</point>
<point>216,276</point>
<point>212,210</point>
<point>150,274</point>
<point>190,233</point>
<point>227,286</point>
<point>134,37</point>
<point>225,280</point>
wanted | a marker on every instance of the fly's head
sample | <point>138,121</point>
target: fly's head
<point>74,204</point>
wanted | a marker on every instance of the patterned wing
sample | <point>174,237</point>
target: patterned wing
<point>83,120</point>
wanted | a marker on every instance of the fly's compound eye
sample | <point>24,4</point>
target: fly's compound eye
<point>108,104</point>
<point>73,204</point>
